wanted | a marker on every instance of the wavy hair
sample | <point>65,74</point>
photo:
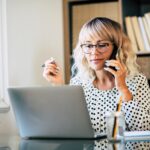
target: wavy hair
<point>104,28</point>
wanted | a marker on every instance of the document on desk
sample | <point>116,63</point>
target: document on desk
<point>137,135</point>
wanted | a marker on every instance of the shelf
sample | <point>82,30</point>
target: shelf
<point>143,53</point>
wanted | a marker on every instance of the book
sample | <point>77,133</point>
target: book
<point>130,33</point>
<point>147,16</point>
<point>147,29</point>
<point>138,33</point>
<point>143,32</point>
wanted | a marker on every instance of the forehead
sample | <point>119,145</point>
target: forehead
<point>88,38</point>
<point>93,35</point>
<point>95,41</point>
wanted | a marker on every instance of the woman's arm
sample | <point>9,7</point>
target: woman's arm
<point>137,111</point>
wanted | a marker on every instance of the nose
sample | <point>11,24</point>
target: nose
<point>95,50</point>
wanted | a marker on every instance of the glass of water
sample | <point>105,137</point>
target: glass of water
<point>115,126</point>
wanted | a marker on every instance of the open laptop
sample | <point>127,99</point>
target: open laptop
<point>36,144</point>
<point>51,112</point>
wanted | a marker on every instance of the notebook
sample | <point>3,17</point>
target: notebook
<point>137,135</point>
<point>51,112</point>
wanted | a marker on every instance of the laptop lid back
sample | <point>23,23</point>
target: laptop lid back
<point>51,112</point>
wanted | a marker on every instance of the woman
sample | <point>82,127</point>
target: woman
<point>105,78</point>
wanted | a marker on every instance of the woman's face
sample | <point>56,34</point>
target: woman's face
<point>97,51</point>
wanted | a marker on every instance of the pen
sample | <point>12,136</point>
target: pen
<point>116,119</point>
<point>43,65</point>
<point>52,61</point>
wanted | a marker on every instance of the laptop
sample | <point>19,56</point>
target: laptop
<point>56,144</point>
<point>52,112</point>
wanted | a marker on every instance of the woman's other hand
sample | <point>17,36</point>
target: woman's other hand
<point>52,72</point>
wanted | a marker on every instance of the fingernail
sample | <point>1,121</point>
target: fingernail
<point>106,68</point>
<point>106,64</point>
<point>52,59</point>
<point>117,68</point>
<point>57,68</point>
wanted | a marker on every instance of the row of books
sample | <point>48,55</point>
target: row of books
<point>138,30</point>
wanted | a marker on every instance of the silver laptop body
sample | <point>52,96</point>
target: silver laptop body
<point>51,112</point>
<point>36,144</point>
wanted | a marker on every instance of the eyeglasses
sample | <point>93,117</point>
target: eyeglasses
<point>100,47</point>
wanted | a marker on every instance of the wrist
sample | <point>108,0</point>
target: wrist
<point>126,94</point>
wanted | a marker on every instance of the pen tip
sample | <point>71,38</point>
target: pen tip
<point>43,65</point>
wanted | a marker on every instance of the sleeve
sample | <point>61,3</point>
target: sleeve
<point>137,111</point>
<point>75,81</point>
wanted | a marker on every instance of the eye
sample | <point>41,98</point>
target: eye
<point>103,45</point>
<point>89,46</point>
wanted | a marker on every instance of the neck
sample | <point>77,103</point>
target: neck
<point>104,80</point>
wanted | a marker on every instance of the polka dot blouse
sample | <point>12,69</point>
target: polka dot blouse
<point>137,111</point>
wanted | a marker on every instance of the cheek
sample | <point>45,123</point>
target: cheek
<point>108,55</point>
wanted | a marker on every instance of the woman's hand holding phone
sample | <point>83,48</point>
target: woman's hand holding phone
<point>52,72</point>
<point>120,77</point>
<point>119,73</point>
<point>117,69</point>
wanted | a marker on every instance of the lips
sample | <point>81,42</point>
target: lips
<point>96,60</point>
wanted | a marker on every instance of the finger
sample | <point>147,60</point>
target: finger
<point>52,72</point>
<point>115,64</point>
<point>51,66</point>
<point>110,70</point>
<point>49,61</point>
<point>48,71</point>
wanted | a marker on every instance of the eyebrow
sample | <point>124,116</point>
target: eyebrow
<point>96,41</point>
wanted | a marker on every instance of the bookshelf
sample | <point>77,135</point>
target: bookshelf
<point>134,8</point>
<point>114,9</point>
<point>137,11</point>
<point>138,8</point>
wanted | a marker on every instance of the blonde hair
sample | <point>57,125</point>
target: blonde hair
<point>110,30</point>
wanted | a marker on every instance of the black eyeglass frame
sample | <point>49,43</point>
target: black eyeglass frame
<point>98,46</point>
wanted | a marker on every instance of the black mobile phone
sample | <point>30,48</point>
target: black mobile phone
<point>114,53</point>
<point>113,56</point>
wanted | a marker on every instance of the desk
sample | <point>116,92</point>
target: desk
<point>14,142</point>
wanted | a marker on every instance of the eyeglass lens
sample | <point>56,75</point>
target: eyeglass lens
<point>101,47</point>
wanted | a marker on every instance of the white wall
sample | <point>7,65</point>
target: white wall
<point>34,33</point>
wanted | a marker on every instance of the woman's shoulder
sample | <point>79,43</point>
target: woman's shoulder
<point>77,80</point>
<point>138,79</point>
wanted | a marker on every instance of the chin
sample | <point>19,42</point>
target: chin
<point>96,68</point>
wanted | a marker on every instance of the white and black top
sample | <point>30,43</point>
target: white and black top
<point>137,111</point>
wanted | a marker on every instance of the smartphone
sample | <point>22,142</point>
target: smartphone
<point>114,53</point>
<point>113,56</point>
